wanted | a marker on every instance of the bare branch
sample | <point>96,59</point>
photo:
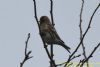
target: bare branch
<point>75,57</point>
<point>27,43</point>
<point>35,12</point>
<point>61,64</point>
<point>70,60</point>
<point>91,55</point>
<point>83,36</point>
<point>81,32</point>
<point>26,53</point>
<point>91,20</point>
<point>78,63</point>
<point>80,25</point>
<point>51,12</point>
<point>70,64</point>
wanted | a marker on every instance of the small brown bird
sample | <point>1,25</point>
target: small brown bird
<point>49,34</point>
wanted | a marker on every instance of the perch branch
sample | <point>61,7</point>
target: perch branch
<point>51,13</point>
<point>45,46</point>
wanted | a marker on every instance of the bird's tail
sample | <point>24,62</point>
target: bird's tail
<point>66,47</point>
<point>61,43</point>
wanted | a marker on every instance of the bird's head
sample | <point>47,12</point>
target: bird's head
<point>44,19</point>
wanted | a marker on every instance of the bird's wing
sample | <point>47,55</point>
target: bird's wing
<point>53,30</point>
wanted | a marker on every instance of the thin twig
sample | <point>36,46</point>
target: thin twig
<point>61,64</point>
<point>91,20</point>
<point>86,59</point>
<point>79,63</point>
<point>45,46</point>
<point>70,64</point>
<point>83,36</point>
<point>91,55</point>
<point>27,43</point>
<point>26,53</point>
<point>75,57</point>
<point>35,12</point>
<point>70,60</point>
<point>81,32</point>
<point>51,12</point>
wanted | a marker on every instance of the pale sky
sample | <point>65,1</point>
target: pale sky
<point>17,20</point>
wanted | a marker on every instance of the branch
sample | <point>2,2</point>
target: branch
<point>87,58</point>
<point>45,46</point>
<point>81,32</point>
<point>75,57</point>
<point>91,55</point>
<point>91,20</point>
<point>70,60</point>
<point>83,35</point>
<point>51,12</point>
<point>35,12</point>
<point>26,53</point>
<point>70,64</point>
<point>78,63</point>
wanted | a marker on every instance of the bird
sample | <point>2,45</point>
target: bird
<point>49,33</point>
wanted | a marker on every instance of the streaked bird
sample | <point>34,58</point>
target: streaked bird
<point>49,34</point>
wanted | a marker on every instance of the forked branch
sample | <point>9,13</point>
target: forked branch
<point>81,41</point>
<point>27,57</point>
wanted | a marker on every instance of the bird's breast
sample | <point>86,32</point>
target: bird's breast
<point>48,38</point>
<point>43,27</point>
